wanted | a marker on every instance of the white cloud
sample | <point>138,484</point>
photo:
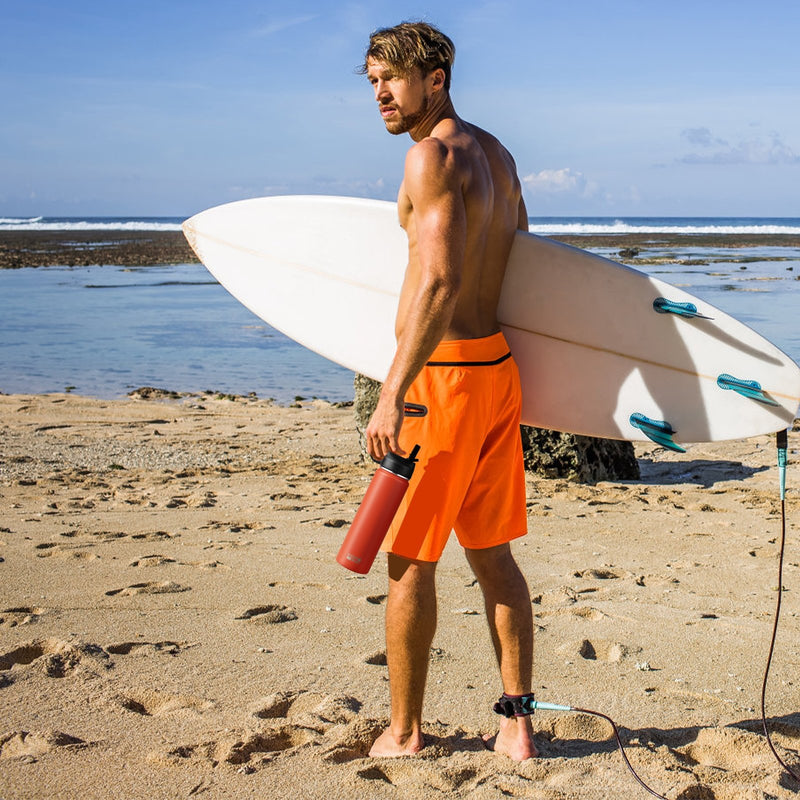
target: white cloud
<point>702,137</point>
<point>759,150</point>
<point>559,182</point>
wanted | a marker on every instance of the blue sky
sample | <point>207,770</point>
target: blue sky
<point>690,107</point>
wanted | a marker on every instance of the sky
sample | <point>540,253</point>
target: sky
<point>610,108</point>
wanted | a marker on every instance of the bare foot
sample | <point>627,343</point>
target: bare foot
<point>387,745</point>
<point>515,739</point>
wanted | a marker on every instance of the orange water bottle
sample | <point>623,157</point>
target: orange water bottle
<point>376,512</point>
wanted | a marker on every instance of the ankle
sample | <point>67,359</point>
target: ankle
<point>405,735</point>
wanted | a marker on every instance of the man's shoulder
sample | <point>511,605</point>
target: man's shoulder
<point>431,158</point>
<point>429,150</point>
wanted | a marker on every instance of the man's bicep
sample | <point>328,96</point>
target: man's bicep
<point>435,191</point>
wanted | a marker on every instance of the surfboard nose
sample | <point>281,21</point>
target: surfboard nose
<point>190,232</point>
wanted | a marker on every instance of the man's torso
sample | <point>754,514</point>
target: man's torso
<point>491,196</point>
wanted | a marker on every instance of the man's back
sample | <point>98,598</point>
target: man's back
<point>485,183</point>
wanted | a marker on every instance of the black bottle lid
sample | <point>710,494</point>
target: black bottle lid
<point>399,465</point>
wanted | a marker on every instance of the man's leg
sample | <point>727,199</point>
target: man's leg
<point>410,625</point>
<point>510,618</point>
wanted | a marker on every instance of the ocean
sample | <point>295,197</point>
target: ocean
<point>544,226</point>
<point>103,331</point>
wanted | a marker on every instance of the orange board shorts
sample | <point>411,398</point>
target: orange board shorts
<point>463,409</point>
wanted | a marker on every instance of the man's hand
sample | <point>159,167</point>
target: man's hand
<point>383,430</point>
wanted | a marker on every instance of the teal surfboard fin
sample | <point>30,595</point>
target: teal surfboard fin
<point>664,306</point>
<point>659,431</point>
<point>751,389</point>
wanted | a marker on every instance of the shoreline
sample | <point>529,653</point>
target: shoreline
<point>172,615</point>
<point>20,249</point>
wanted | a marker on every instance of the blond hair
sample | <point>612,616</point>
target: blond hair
<point>411,45</point>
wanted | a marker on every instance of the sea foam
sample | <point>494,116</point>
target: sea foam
<point>728,227</point>
<point>44,224</point>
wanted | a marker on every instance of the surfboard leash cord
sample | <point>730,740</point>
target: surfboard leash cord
<point>782,442</point>
<point>530,705</point>
<point>621,749</point>
<point>524,705</point>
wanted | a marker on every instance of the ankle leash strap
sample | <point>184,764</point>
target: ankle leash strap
<point>515,705</point>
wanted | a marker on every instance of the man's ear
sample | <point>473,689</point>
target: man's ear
<point>437,78</point>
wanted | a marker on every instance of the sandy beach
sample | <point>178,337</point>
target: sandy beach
<point>173,623</point>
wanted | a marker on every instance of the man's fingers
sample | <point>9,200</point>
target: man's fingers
<point>380,446</point>
<point>375,447</point>
<point>394,446</point>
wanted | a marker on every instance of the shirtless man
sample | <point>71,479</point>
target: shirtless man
<point>460,204</point>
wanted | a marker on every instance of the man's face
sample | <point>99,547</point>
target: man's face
<point>402,100</point>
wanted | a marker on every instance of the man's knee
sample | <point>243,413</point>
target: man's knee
<point>405,572</point>
<point>491,562</point>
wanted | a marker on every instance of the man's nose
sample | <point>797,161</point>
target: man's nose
<point>382,91</point>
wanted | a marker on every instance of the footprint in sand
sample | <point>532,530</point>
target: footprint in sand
<point>354,742</point>
<point>162,587</point>
<point>601,574</point>
<point>152,536</point>
<point>730,762</point>
<point>152,703</point>
<point>157,560</point>
<point>239,747</point>
<point>146,648</point>
<point>76,552</point>
<point>207,500</point>
<point>288,721</point>
<point>112,536</point>
<point>205,564</point>
<point>731,749</point>
<point>154,560</point>
<point>561,731</point>
<point>233,527</point>
<point>271,614</point>
<point>106,536</point>
<point>564,595</point>
<point>418,774</point>
<point>55,658</point>
<point>29,745</point>
<point>22,615</point>
<point>307,708</point>
<point>581,612</point>
<point>598,650</point>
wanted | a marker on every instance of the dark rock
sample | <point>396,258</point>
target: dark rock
<point>367,392</point>
<point>551,454</point>
<point>84,248</point>
<point>584,459</point>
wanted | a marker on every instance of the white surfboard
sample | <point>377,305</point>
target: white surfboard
<point>603,350</point>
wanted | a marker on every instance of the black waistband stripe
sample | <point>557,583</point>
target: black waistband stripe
<point>469,363</point>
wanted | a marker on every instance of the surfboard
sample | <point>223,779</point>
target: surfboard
<point>603,349</point>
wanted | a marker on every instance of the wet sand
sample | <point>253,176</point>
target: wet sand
<point>173,623</point>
